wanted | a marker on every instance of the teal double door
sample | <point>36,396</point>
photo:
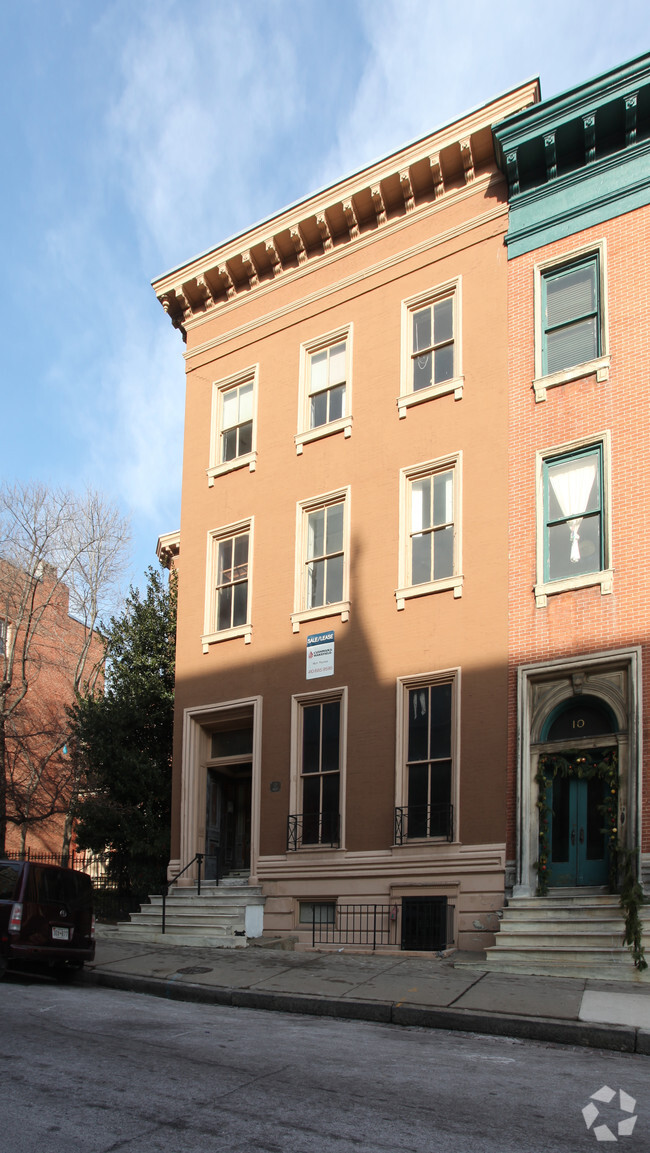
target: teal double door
<point>577,838</point>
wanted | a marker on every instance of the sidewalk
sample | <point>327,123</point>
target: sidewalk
<point>402,990</point>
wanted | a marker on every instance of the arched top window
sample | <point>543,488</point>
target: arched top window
<point>583,717</point>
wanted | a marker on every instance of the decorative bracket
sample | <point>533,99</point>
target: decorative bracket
<point>630,118</point>
<point>436,174</point>
<point>208,295</point>
<point>468,159</point>
<point>351,219</point>
<point>551,156</point>
<point>378,204</point>
<point>407,190</point>
<point>589,123</point>
<point>299,247</point>
<point>227,281</point>
<point>250,269</point>
<point>325,234</point>
<point>274,257</point>
<point>512,165</point>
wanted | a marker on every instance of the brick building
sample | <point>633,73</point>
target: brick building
<point>579,446</point>
<point>44,656</point>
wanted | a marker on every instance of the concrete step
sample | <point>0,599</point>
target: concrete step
<point>137,934</point>
<point>542,939</point>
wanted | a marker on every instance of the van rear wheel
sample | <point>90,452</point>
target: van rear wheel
<point>67,973</point>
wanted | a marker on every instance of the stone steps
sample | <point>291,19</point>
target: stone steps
<point>577,934</point>
<point>223,916</point>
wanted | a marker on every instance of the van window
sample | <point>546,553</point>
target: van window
<point>9,875</point>
<point>57,886</point>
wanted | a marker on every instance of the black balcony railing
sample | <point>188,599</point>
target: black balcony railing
<point>423,924</point>
<point>413,821</point>
<point>313,829</point>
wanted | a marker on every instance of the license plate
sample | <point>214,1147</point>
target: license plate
<point>60,934</point>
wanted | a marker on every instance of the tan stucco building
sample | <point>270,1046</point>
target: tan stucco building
<point>342,653</point>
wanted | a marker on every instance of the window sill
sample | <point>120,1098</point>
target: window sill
<point>343,425</point>
<point>404,594</point>
<point>413,842</point>
<point>245,631</point>
<point>600,366</point>
<point>408,399</point>
<point>603,579</point>
<point>250,459</point>
<point>341,608</point>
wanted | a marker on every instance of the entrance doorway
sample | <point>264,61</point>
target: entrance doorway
<point>228,820</point>
<point>577,839</point>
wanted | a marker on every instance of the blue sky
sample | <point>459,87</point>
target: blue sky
<point>138,133</point>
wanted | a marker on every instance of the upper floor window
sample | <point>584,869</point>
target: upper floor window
<point>430,529</point>
<point>233,439</point>
<point>571,338</point>
<point>573,535</point>
<point>431,346</point>
<point>228,584</point>
<point>322,552</point>
<point>3,637</point>
<point>325,385</point>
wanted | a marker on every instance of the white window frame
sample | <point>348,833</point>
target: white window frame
<point>407,397</point>
<point>404,685</point>
<point>305,433</point>
<point>340,608</point>
<point>406,589</point>
<point>603,578</point>
<point>215,537</point>
<point>599,365</point>
<point>298,702</point>
<point>218,467</point>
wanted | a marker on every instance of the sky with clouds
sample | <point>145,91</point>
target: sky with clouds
<point>138,133</point>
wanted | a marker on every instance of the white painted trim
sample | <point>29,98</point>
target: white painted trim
<point>340,608</point>
<point>432,242</point>
<point>601,364</point>
<point>216,466</point>
<point>305,434</point>
<point>194,770</point>
<point>604,578</point>
<point>527,824</point>
<point>444,676</point>
<point>298,701</point>
<point>406,590</point>
<point>214,536</point>
<point>407,396</point>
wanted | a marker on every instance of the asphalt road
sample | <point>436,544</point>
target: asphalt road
<point>101,1071</point>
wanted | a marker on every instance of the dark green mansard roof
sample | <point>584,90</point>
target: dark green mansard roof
<point>578,159</point>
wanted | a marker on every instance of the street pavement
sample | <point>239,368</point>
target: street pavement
<point>404,989</point>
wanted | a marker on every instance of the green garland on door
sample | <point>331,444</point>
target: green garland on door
<point>586,766</point>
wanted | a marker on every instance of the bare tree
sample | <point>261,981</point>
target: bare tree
<point>62,563</point>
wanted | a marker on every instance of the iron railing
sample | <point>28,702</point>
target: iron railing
<point>120,885</point>
<point>424,924</point>
<point>199,858</point>
<point>414,821</point>
<point>313,829</point>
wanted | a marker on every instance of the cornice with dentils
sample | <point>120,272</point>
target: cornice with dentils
<point>340,216</point>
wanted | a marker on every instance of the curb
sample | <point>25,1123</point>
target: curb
<point>619,1038</point>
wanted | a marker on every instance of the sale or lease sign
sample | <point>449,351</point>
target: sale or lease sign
<point>320,655</point>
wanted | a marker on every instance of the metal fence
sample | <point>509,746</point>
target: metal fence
<point>120,886</point>
<point>413,923</point>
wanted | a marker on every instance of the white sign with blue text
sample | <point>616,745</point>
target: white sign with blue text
<point>320,655</point>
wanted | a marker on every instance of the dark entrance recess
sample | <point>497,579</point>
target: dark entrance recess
<point>228,819</point>
<point>424,923</point>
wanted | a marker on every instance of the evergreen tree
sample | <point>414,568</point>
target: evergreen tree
<point>124,739</point>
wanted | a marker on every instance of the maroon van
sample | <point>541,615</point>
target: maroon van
<point>46,918</point>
